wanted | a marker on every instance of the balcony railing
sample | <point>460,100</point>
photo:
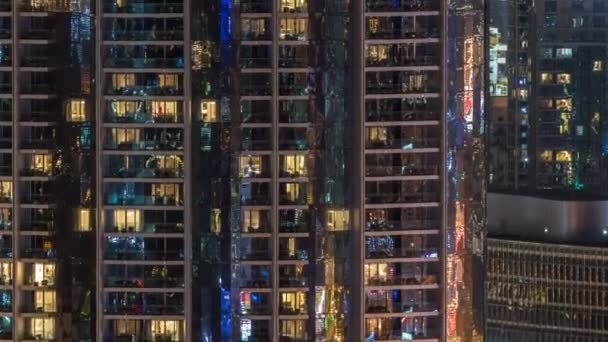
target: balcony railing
<point>143,282</point>
<point>405,170</point>
<point>404,252</point>
<point>255,62</point>
<point>145,145</point>
<point>389,225</point>
<point>395,61</point>
<point>145,172</point>
<point>142,117</point>
<point>293,281</point>
<point>402,280</point>
<point>416,197</point>
<point>149,228</point>
<point>401,115</point>
<point>145,35</point>
<point>124,254</point>
<point>400,88</point>
<point>400,5</point>
<point>31,143</point>
<point>402,34</point>
<point>142,63</point>
<point>403,143</point>
<point>143,309</point>
<point>256,6</point>
<point>144,91</point>
<point>122,199</point>
<point>148,7</point>
<point>255,255</point>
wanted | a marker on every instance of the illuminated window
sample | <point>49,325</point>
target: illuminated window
<point>123,108</point>
<point>376,273</point>
<point>45,301</point>
<point>563,156</point>
<point>253,28</point>
<point>563,78</point>
<point>251,166</point>
<point>546,155</point>
<point>522,94</point>
<point>292,191</point>
<point>166,330</point>
<point>290,6</point>
<point>168,162</point>
<point>44,274</point>
<point>545,103</point>
<point>377,134</point>
<point>373,24</point>
<point>294,165</point>
<point>123,80</point>
<point>6,190</point>
<point>43,328</point>
<point>42,163</point>
<point>563,53</point>
<point>201,55</point>
<point>337,220</point>
<point>125,135</point>
<point>163,109</point>
<point>564,104</point>
<point>564,127</point>
<point>293,302</point>
<point>251,220</point>
<point>578,22</point>
<point>76,110</point>
<point>216,221</point>
<point>293,329</point>
<point>84,220</point>
<point>595,123</point>
<point>598,66</point>
<point>127,220</point>
<point>546,77</point>
<point>6,273</point>
<point>168,80</point>
<point>294,28</point>
<point>209,111</point>
<point>377,53</point>
<point>166,193</point>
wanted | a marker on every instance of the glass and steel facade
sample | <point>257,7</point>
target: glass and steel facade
<point>545,292</point>
<point>254,170</point>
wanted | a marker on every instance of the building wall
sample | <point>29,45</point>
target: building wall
<point>544,291</point>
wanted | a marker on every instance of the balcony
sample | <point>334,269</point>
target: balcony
<point>398,329</point>
<point>406,84</point>
<point>173,144</point>
<point>401,5</point>
<point>293,6</point>
<point>256,6</point>
<point>255,193</point>
<point>175,34</point>
<point>401,61</point>
<point>255,249</point>
<point>121,251</point>
<point>144,7</point>
<point>255,276</point>
<point>38,116</point>
<point>255,304</point>
<point>131,303</point>
<point>129,199</point>
<point>381,225</point>
<point>400,115</point>
<point>144,172</point>
<point>404,252</point>
<point>405,170</point>
<point>144,63</point>
<point>138,90</point>
<point>144,117</point>
<point>292,276</point>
